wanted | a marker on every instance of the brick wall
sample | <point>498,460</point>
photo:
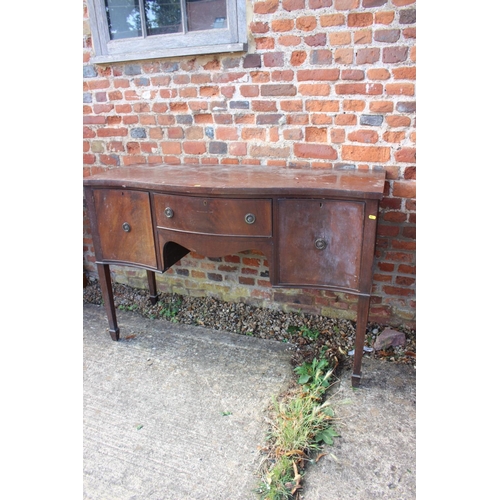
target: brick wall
<point>323,83</point>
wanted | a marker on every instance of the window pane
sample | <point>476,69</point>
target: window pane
<point>163,16</point>
<point>124,18</point>
<point>206,14</point>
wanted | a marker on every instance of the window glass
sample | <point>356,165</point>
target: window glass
<point>206,14</point>
<point>124,18</point>
<point>163,16</point>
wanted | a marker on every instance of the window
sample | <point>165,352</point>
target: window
<point>127,30</point>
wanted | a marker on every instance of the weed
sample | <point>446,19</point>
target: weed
<point>169,311</point>
<point>304,331</point>
<point>132,307</point>
<point>301,425</point>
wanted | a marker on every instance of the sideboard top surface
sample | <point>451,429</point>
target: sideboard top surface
<point>244,180</point>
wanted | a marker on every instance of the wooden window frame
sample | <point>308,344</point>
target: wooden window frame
<point>231,39</point>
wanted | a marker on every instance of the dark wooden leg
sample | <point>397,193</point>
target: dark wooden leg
<point>153,294</point>
<point>109,303</point>
<point>362,320</point>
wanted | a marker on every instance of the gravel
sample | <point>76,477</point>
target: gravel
<point>311,335</point>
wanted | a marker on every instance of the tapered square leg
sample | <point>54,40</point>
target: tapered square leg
<point>107,295</point>
<point>153,294</point>
<point>362,320</point>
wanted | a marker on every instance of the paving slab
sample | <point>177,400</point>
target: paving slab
<point>174,412</point>
<point>179,412</point>
<point>375,456</point>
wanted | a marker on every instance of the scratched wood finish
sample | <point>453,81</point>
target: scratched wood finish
<point>114,208</point>
<point>245,181</point>
<point>336,224</point>
<point>220,216</point>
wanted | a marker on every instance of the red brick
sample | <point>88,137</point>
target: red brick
<point>291,5</point>
<point>366,136</point>
<point>395,137</point>
<point>328,20</point>
<point>396,54</point>
<point>289,40</point>
<point>359,19</point>
<point>266,7</point>
<point>367,56</point>
<point>359,88</point>
<point>382,106</point>
<point>400,89</point>
<point>337,135</point>
<point>366,153</point>
<point>269,151</point>
<point>194,147</point>
<point>273,59</point>
<point>344,56</point>
<point>226,133</point>
<point>363,37</point>
<point>171,148</point>
<point>340,38</point>
<point>298,57</point>
<point>316,134</point>
<point>406,155</point>
<point>322,89</point>
<point>281,25</point>
<point>378,74</point>
<point>264,43</point>
<point>319,4</point>
<point>282,75</point>
<point>259,27</point>
<point>405,73</point>
<point>318,74</point>
<point>306,23</point>
<point>398,121</point>
<point>346,119</point>
<point>112,132</point>
<point>404,189</point>
<point>384,17</point>
<point>315,151</point>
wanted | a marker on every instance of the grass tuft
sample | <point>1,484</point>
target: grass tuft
<point>302,423</point>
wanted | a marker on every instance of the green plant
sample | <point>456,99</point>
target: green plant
<point>169,311</point>
<point>132,307</point>
<point>301,425</point>
<point>304,331</point>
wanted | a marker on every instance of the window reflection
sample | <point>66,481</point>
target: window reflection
<point>163,16</point>
<point>206,14</point>
<point>124,18</point>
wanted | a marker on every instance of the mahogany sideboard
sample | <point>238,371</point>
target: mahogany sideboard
<point>316,227</point>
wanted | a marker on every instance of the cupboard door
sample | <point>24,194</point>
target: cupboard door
<point>125,226</point>
<point>320,242</point>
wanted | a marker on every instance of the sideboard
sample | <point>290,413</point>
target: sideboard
<point>317,227</point>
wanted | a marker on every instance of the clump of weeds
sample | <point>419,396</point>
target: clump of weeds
<point>301,424</point>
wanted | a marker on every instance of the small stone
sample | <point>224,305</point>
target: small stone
<point>389,338</point>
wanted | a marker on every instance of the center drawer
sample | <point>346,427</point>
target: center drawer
<point>221,216</point>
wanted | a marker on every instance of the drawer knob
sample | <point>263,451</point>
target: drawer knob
<point>249,218</point>
<point>169,212</point>
<point>126,227</point>
<point>320,244</point>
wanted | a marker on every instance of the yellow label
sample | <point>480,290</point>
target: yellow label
<point>372,217</point>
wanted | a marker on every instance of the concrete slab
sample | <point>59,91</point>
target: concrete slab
<point>174,412</point>
<point>178,412</point>
<point>375,457</point>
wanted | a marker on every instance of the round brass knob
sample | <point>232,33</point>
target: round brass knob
<point>249,218</point>
<point>169,212</point>
<point>320,244</point>
<point>126,227</point>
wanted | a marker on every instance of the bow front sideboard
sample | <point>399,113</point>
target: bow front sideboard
<point>316,227</point>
